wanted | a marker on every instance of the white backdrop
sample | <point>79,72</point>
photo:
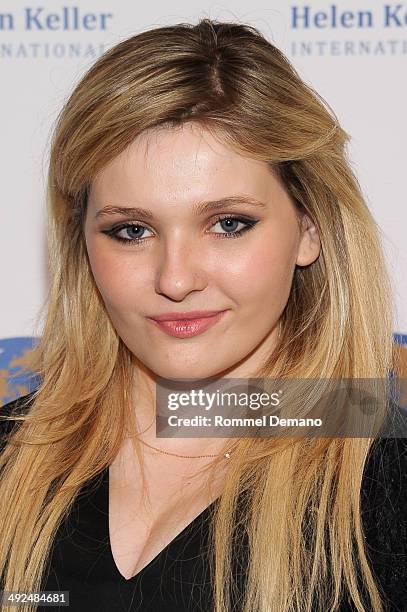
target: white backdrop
<point>353,53</point>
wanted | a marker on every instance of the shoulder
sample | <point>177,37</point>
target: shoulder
<point>384,483</point>
<point>384,516</point>
<point>14,408</point>
<point>386,464</point>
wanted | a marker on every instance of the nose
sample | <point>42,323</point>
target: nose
<point>180,270</point>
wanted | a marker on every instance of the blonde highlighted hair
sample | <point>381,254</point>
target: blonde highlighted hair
<point>228,78</point>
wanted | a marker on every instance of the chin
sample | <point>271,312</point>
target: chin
<point>185,372</point>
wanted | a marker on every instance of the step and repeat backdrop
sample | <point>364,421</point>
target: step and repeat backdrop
<point>353,53</point>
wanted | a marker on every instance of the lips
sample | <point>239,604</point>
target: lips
<point>185,328</point>
<point>185,316</point>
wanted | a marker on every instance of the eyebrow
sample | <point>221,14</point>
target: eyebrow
<point>199,208</point>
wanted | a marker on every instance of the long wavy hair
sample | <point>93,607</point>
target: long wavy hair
<point>228,78</point>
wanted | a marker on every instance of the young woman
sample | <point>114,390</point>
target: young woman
<point>193,170</point>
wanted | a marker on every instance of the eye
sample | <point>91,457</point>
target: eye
<point>127,233</point>
<point>133,233</point>
<point>230,223</point>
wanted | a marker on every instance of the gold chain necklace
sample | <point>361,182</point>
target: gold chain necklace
<point>226,455</point>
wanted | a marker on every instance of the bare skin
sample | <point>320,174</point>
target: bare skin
<point>140,529</point>
<point>182,263</point>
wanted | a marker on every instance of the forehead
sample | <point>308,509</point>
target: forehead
<point>183,163</point>
<point>165,139</point>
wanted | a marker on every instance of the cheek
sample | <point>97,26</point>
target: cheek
<point>117,279</point>
<point>261,277</point>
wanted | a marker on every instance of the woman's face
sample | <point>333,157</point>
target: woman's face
<point>184,259</point>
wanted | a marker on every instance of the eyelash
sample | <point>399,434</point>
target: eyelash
<point>250,223</point>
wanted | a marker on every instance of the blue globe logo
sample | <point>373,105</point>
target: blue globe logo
<point>15,379</point>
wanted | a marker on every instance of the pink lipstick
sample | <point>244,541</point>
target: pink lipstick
<point>192,323</point>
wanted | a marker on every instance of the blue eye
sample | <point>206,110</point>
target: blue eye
<point>132,230</point>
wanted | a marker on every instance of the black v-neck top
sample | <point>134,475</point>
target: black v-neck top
<point>177,579</point>
<point>82,563</point>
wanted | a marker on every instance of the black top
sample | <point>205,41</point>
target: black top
<point>177,579</point>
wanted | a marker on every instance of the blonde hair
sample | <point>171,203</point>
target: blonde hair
<point>229,79</point>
